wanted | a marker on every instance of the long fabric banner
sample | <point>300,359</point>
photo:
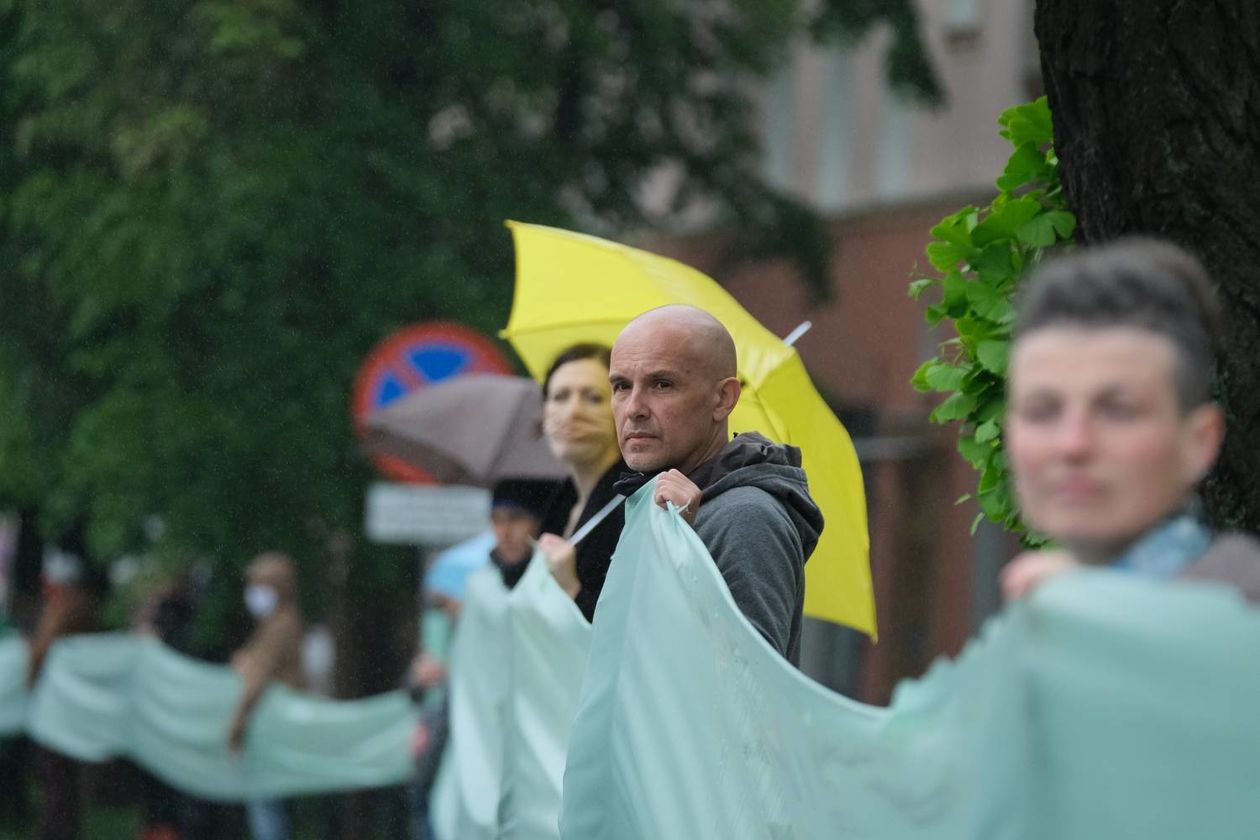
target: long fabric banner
<point>516,672</point>
<point>12,684</point>
<point>1105,707</point>
<point>549,643</point>
<point>465,801</point>
<point>113,695</point>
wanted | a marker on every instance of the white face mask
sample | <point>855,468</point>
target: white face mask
<point>260,599</point>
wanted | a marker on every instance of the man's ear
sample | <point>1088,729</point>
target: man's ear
<point>728,394</point>
<point>1204,431</point>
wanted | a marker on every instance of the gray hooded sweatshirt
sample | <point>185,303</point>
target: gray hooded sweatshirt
<point>758,521</point>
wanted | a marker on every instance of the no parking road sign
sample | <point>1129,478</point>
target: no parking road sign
<point>410,359</point>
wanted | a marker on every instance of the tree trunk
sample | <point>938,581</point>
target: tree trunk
<point>1157,126</point>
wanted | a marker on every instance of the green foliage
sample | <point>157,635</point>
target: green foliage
<point>211,210</point>
<point>981,253</point>
<point>907,64</point>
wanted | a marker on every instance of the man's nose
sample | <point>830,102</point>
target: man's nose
<point>636,406</point>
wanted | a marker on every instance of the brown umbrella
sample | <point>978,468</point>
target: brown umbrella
<point>472,429</point>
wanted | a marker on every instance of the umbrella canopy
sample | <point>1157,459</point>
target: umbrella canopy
<point>472,429</point>
<point>574,288</point>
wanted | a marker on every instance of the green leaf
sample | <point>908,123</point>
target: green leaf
<point>944,377</point>
<point>993,409</point>
<point>1027,165</point>
<point>987,431</point>
<point>994,505</point>
<point>956,407</point>
<point>1043,230</point>
<point>988,301</point>
<point>956,227</point>
<point>995,267</point>
<point>975,452</point>
<point>917,287</point>
<point>1005,219</point>
<point>1028,123</point>
<point>946,256</point>
<point>954,287</point>
<point>973,330</point>
<point>1064,223</point>
<point>975,523</point>
<point>993,354</point>
<point>919,380</point>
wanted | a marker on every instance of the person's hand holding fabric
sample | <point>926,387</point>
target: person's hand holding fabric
<point>1030,569</point>
<point>562,561</point>
<point>673,486</point>
<point>427,671</point>
<point>236,734</point>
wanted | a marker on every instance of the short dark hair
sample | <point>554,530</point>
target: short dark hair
<point>576,353</point>
<point>1133,282</point>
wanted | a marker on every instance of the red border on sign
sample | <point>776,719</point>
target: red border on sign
<point>385,357</point>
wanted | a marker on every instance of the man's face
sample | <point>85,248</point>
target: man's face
<point>667,405</point>
<point>513,529</point>
<point>1099,445</point>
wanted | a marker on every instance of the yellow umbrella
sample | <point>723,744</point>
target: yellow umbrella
<point>574,288</point>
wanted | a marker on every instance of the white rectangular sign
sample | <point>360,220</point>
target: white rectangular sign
<point>422,514</point>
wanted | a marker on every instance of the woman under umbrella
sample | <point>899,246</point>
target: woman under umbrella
<point>578,425</point>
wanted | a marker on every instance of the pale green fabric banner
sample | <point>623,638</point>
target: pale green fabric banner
<point>1105,707</point>
<point>549,643</point>
<point>12,684</point>
<point>113,695</point>
<point>465,800</point>
<point>516,670</point>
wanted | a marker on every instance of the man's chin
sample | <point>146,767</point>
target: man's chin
<point>643,463</point>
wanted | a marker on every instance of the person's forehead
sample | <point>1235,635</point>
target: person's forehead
<point>1079,357</point>
<point>579,371</point>
<point>655,346</point>
<point>508,514</point>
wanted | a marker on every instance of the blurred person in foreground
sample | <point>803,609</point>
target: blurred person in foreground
<point>73,594</point>
<point>578,425</point>
<point>273,652</point>
<point>1111,424</point>
<point>674,385</point>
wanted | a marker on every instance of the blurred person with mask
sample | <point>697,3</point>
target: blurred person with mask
<point>674,385</point>
<point>578,425</point>
<point>1111,424</point>
<point>73,593</point>
<point>273,652</point>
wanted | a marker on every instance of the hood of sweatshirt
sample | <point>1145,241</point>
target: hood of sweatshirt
<point>752,460</point>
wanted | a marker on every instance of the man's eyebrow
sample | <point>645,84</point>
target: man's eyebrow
<point>662,373</point>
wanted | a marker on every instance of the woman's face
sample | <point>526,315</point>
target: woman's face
<point>577,415</point>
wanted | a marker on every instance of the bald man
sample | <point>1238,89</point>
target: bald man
<point>674,386</point>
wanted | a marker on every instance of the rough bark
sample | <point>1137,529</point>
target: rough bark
<point>1157,125</point>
